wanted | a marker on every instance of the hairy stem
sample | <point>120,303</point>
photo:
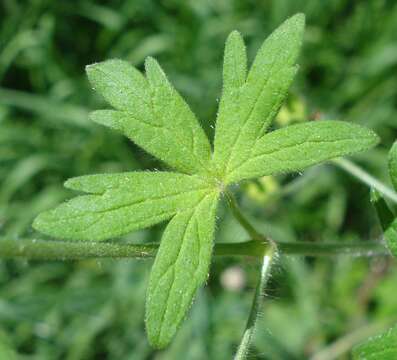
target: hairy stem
<point>38,249</point>
<point>366,178</point>
<point>246,340</point>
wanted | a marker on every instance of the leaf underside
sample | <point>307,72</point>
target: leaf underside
<point>150,112</point>
<point>381,347</point>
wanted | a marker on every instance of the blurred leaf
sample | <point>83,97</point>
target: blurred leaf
<point>385,214</point>
<point>381,347</point>
<point>6,350</point>
<point>393,165</point>
<point>387,220</point>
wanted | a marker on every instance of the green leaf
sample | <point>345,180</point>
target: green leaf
<point>386,218</point>
<point>121,203</point>
<point>249,105</point>
<point>7,351</point>
<point>393,165</point>
<point>296,147</point>
<point>235,64</point>
<point>383,211</point>
<point>180,268</point>
<point>151,113</point>
<point>381,347</point>
<point>391,238</point>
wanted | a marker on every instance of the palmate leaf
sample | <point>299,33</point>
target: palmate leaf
<point>381,347</point>
<point>149,111</point>
<point>121,203</point>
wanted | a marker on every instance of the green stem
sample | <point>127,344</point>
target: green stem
<point>246,340</point>
<point>38,249</point>
<point>366,178</point>
<point>243,220</point>
<point>355,249</point>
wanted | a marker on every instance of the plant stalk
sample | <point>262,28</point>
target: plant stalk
<point>243,349</point>
<point>366,178</point>
<point>39,249</point>
<point>255,235</point>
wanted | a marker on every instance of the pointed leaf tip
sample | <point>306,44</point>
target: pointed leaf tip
<point>293,29</point>
<point>154,73</point>
<point>150,60</point>
<point>298,18</point>
<point>234,34</point>
<point>297,22</point>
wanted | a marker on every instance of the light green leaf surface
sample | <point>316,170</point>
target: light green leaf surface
<point>381,347</point>
<point>248,106</point>
<point>180,268</point>
<point>151,113</point>
<point>296,147</point>
<point>121,203</point>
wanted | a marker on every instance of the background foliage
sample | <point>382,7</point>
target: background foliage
<point>94,309</point>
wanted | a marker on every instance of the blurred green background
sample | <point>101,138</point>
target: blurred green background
<point>315,308</point>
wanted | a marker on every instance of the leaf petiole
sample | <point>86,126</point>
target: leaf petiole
<point>255,235</point>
